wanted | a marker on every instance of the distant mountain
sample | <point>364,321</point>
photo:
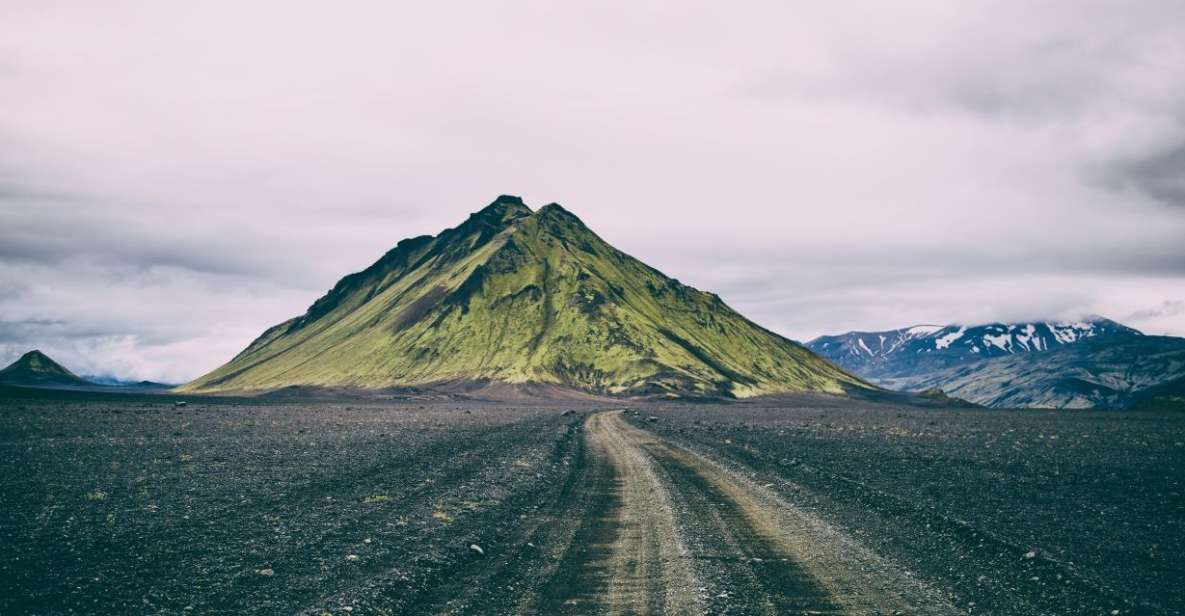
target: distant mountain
<point>110,381</point>
<point>929,347</point>
<point>36,369</point>
<point>1088,363</point>
<point>525,299</point>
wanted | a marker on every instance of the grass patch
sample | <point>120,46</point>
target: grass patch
<point>96,496</point>
<point>375,499</point>
<point>442,516</point>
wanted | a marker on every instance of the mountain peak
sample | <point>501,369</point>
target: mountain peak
<point>502,210</point>
<point>520,298</point>
<point>554,209</point>
<point>37,369</point>
<point>36,360</point>
<point>1109,324</point>
<point>554,218</point>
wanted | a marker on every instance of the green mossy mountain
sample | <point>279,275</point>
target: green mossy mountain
<point>36,369</point>
<point>520,297</point>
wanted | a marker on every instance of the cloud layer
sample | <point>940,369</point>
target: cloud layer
<point>174,177</point>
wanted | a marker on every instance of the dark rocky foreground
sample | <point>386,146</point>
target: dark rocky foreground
<point>127,504</point>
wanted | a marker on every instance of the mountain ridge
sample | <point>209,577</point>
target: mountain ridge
<point>882,353</point>
<point>1093,362</point>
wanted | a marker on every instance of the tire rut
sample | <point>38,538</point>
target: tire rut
<point>627,556</point>
<point>535,577</point>
<point>579,582</point>
<point>754,574</point>
<point>770,557</point>
<point>640,525</point>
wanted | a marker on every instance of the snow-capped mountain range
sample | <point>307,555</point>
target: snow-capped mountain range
<point>863,352</point>
<point>1088,363</point>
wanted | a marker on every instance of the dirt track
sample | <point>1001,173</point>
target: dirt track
<point>667,531</point>
<point>640,557</point>
<point>696,539</point>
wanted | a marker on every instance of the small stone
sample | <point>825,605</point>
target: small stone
<point>352,557</point>
<point>476,549</point>
<point>265,572</point>
<point>1031,554</point>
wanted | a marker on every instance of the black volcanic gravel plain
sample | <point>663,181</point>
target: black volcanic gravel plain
<point>129,504</point>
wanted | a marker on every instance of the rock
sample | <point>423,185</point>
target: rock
<point>476,549</point>
<point>265,572</point>
<point>1031,554</point>
<point>652,419</point>
<point>352,557</point>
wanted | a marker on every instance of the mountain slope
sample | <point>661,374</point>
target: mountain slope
<point>36,369</point>
<point>515,296</point>
<point>1090,363</point>
<point>1169,395</point>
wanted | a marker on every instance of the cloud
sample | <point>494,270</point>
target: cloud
<point>47,240</point>
<point>164,199</point>
<point>1002,60</point>
<point>1160,175</point>
<point>1165,309</point>
<point>160,323</point>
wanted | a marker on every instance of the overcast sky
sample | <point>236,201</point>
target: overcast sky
<point>175,177</point>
